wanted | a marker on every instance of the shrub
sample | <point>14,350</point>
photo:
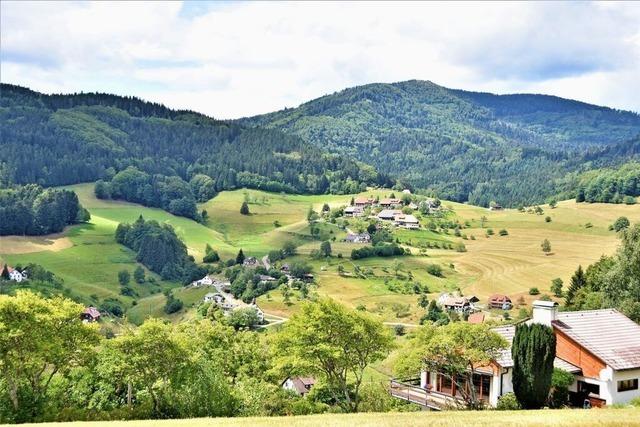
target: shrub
<point>490,232</point>
<point>534,291</point>
<point>620,224</point>
<point>560,382</point>
<point>434,270</point>
<point>508,402</point>
<point>503,232</point>
<point>399,330</point>
<point>547,219</point>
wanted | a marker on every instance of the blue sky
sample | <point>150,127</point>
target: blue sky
<point>233,59</point>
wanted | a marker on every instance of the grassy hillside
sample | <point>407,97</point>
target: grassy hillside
<point>566,417</point>
<point>88,259</point>
<point>466,145</point>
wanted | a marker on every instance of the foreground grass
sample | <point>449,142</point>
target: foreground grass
<point>566,417</point>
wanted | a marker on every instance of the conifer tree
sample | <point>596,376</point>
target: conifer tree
<point>578,281</point>
<point>533,351</point>
<point>240,257</point>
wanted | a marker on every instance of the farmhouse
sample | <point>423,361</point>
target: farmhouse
<point>358,238</point>
<point>601,348</point>
<point>362,201</point>
<point>353,211</point>
<point>459,304</point>
<point>265,279</point>
<point>500,301</point>
<point>390,203</point>
<point>90,314</point>
<point>251,262</point>
<point>406,221</point>
<point>299,385</point>
<point>16,275</point>
<point>388,214</point>
<point>205,281</point>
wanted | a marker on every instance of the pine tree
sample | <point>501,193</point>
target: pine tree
<point>244,209</point>
<point>5,273</point>
<point>240,257</point>
<point>578,281</point>
<point>533,351</point>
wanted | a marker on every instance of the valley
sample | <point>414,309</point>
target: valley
<point>88,259</point>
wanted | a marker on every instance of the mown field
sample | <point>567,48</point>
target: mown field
<point>88,259</point>
<point>563,417</point>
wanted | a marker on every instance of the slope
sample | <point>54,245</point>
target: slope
<point>468,146</point>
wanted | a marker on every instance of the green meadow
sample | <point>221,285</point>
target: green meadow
<point>88,259</point>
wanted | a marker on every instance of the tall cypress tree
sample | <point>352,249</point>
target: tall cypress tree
<point>533,350</point>
<point>240,257</point>
<point>578,281</point>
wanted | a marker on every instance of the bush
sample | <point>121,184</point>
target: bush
<point>508,402</point>
<point>534,291</point>
<point>503,232</point>
<point>560,382</point>
<point>399,330</point>
<point>547,219</point>
<point>434,270</point>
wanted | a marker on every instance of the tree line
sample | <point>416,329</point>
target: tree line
<point>32,210</point>
<point>159,249</point>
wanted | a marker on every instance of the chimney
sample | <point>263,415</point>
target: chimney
<point>545,312</point>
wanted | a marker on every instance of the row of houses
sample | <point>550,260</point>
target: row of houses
<point>600,348</point>
<point>468,304</point>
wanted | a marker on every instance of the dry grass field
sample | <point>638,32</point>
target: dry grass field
<point>565,417</point>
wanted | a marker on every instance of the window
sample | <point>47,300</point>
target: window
<point>445,385</point>
<point>588,388</point>
<point>626,385</point>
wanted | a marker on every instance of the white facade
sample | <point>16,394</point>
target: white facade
<point>16,276</point>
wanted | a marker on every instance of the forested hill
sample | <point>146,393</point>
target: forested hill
<point>466,145</point>
<point>64,139</point>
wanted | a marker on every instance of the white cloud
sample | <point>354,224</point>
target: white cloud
<point>246,58</point>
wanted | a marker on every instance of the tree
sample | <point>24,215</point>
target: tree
<point>240,257</point>
<point>483,220</point>
<point>546,246</point>
<point>326,339</point>
<point>244,209</point>
<point>139,275</point>
<point>246,317</point>
<point>533,351</point>
<point>556,286</point>
<point>553,203</point>
<point>325,208</point>
<point>325,249</point>
<point>620,224</point>
<point>578,281</point>
<point>204,215</point>
<point>124,277</point>
<point>288,249</point>
<point>210,255</point>
<point>5,273</point>
<point>455,351</point>
<point>40,339</point>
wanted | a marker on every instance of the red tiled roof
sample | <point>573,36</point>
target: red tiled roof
<point>476,318</point>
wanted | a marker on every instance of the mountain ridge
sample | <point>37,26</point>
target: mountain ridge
<point>467,146</point>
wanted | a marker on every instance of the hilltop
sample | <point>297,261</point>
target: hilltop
<point>468,146</point>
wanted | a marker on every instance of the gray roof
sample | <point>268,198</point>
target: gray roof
<point>607,334</point>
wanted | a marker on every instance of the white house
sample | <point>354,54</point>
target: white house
<point>406,221</point>
<point>15,275</point>
<point>299,385</point>
<point>601,348</point>
<point>205,281</point>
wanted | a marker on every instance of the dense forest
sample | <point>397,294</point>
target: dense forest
<point>467,146</point>
<point>619,185</point>
<point>159,248</point>
<point>32,210</point>
<point>56,140</point>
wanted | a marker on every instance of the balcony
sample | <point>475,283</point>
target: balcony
<point>409,389</point>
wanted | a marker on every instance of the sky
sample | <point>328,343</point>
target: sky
<point>236,59</point>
